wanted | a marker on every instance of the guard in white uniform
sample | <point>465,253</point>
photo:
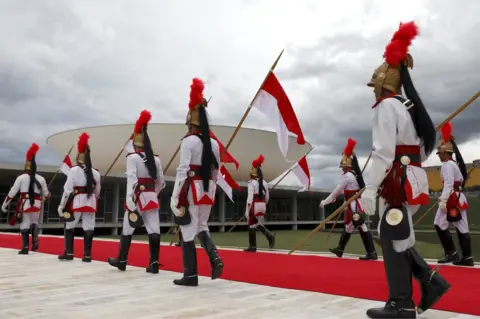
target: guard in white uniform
<point>256,208</point>
<point>79,200</point>
<point>145,180</point>
<point>351,182</point>
<point>453,204</point>
<point>33,192</point>
<point>403,137</point>
<point>195,185</point>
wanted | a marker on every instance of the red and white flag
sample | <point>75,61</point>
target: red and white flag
<point>303,173</point>
<point>226,182</point>
<point>274,103</point>
<point>224,179</point>
<point>226,157</point>
<point>66,165</point>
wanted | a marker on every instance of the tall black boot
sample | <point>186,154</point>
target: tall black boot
<point>448,246</point>
<point>25,241</point>
<point>211,250</point>
<point>34,231</point>
<point>190,275</point>
<point>252,240</point>
<point>69,239</point>
<point>121,261</point>
<point>154,245</point>
<point>369,246</point>
<point>466,245</point>
<point>399,278</point>
<point>342,243</point>
<point>270,237</point>
<point>433,285</point>
<point>87,245</point>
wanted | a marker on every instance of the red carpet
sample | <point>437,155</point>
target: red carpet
<point>346,277</point>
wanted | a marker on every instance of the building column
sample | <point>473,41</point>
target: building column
<point>221,211</point>
<point>294,211</point>
<point>40,220</point>
<point>322,212</point>
<point>115,207</point>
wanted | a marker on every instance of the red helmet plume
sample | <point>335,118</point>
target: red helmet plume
<point>446,131</point>
<point>196,93</point>
<point>143,120</point>
<point>82,143</point>
<point>32,151</point>
<point>348,151</point>
<point>259,161</point>
<point>397,50</point>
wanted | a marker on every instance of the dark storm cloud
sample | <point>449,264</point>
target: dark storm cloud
<point>446,73</point>
<point>65,66</point>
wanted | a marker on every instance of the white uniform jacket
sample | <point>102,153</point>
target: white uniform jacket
<point>394,131</point>
<point>137,176</point>
<point>21,186</point>
<point>191,150</point>
<point>452,180</point>
<point>76,182</point>
<point>258,206</point>
<point>347,186</point>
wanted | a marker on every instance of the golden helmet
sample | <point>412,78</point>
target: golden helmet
<point>387,75</point>
<point>32,151</point>
<point>138,131</point>
<point>82,147</point>
<point>348,154</point>
<point>256,164</point>
<point>197,101</point>
<point>445,145</point>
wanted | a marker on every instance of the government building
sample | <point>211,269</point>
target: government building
<point>287,209</point>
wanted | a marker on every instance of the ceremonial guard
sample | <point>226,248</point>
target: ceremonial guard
<point>256,208</point>
<point>195,185</point>
<point>33,192</point>
<point>453,203</point>
<point>145,180</point>
<point>79,200</point>
<point>351,182</point>
<point>403,137</point>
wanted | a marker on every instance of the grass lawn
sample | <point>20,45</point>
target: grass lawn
<point>427,244</point>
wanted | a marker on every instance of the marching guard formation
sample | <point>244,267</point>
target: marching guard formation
<point>403,137</point>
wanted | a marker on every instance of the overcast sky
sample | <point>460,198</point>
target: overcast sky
<point>69,64</point>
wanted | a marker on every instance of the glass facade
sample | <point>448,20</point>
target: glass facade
<point>285,206</point>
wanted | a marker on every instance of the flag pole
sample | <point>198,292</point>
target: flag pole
<point>290,170</point>
<point>55,175</point>
<point>284,175</point>
<point>115,160</point>
<point>251,104</point>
